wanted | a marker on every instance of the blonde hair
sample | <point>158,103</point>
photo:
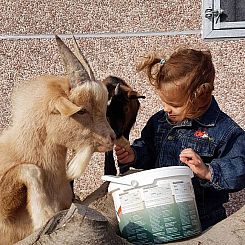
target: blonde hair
<point>187,76</point>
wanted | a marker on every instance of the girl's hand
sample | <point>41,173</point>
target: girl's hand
<point>124,155</point>
<point>196,164</point>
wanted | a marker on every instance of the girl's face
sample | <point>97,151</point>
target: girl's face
<point>174,110</point>
<point>175,113</point>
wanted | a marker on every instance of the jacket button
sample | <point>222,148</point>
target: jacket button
<point>170,137</point>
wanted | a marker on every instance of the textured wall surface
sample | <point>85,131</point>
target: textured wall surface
<point>35,16</point>
<point>27,49</point>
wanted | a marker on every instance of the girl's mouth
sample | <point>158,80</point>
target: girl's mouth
<point>171,115</point>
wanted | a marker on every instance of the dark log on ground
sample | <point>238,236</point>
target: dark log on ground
<point>102,201</point>
<point>79,225</point>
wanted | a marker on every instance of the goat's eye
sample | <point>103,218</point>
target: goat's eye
<point>82,111</point>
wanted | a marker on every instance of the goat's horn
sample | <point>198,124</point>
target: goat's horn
<point>117,89</point>
<point>75,70</point>
<point>83,60</point>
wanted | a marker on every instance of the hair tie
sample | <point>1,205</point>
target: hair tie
<point>162,61</point>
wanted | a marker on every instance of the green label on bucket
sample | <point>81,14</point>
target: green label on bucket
<point>160,224</point>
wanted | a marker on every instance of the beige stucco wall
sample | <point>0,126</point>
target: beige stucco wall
<point>27,49</point>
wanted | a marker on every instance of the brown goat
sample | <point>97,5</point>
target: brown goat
<point>122,110</point>
<point>50,115</point>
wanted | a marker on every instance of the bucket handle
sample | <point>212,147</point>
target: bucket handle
<point>120,180</point>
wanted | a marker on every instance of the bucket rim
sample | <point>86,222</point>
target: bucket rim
<point>146,177</point>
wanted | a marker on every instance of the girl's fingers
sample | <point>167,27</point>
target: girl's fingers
<point>119,152</point>
<point>122,156</point>
<point>187,150</point>
<point>187,161</point>
<point>118,148</point>
<point>192,159</point>
<point>189,153</point>
<point>187,156</point>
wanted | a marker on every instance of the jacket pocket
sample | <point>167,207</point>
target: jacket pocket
<point>203,147</point>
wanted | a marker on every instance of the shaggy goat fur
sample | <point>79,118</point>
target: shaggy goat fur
<point>48,118</point>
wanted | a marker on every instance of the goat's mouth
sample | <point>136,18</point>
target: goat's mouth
<point>104,143</point>
<point>104,148</point>
<point>97,148</point>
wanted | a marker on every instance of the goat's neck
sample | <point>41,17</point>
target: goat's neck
<point>35,147</point>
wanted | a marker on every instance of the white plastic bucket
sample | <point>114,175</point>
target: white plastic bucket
<point>155,206</point>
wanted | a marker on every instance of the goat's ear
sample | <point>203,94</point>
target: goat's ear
<point>64,106</point>
<point>135,95</point>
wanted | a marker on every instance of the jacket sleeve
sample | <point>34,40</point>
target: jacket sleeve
<point>228,170</point>
<point>144,148</point>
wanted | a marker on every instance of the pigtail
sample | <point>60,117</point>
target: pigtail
<point>153,67</point>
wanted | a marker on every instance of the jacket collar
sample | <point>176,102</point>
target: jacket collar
<point>209,118</point>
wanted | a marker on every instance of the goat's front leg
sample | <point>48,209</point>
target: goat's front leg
<point>110,166</point>
<point>24,204</point>
<point>38,202</point>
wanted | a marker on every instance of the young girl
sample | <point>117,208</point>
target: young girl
<point>191,129</point>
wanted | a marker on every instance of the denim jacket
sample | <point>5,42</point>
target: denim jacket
<point>215,137</point>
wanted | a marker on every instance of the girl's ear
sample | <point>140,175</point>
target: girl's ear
<point>64,106</point>
<point>204,89</point>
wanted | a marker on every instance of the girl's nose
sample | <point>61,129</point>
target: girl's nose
<point>167,108</point>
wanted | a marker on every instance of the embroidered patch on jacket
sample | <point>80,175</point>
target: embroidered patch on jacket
<point>203,134</point>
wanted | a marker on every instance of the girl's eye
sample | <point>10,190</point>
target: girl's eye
<point>82,111</point>
<point>175,105</point>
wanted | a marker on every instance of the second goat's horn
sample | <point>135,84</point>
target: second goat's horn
<point>82,59</point>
